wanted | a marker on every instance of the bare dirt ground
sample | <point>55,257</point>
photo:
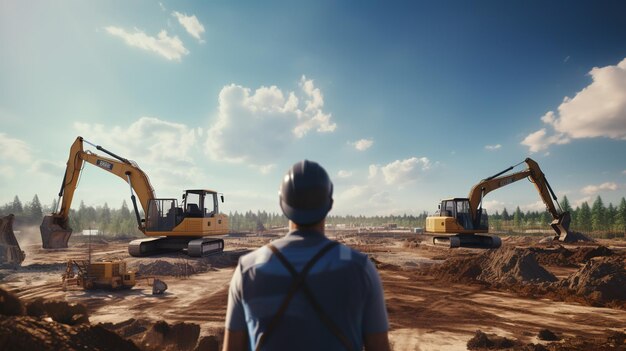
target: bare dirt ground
<point>437,298</point>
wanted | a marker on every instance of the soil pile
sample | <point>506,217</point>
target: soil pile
<point>601,281</point>
<point>505,266</point>
<point>511,266</point>
<point>560,256</point>
<point>179,336</point>
<point>21,332</point>
<point>584,254</point>
<point>482,341</point>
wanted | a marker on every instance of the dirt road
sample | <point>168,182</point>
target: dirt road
<point>425,312</point>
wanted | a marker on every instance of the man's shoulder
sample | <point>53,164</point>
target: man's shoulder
<point>341,252</point>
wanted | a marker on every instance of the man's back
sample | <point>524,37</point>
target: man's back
<point>343,281</point>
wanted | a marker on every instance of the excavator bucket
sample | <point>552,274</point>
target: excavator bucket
<point>54,234</point>
<point>10,252</point>
<point>561,227</point>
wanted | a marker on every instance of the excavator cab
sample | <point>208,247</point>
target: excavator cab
<point>165,214</point>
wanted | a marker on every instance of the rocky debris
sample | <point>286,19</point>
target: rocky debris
<point>601,281</point>
<point>20,332</point>
<point>158,287</point>
<point>179,336</point>
<point>505,266</point>
<point>547,335</point>
<point>482,341</point>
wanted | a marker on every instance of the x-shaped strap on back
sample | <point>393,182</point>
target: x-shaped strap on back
<point>297,284</point>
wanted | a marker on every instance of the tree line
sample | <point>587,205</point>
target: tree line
<point>596,219</point>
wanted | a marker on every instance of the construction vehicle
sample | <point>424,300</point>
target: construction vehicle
<point>108,274</point>
<point>170,227</point>
<point>463,220</point>
<point>10,253</point>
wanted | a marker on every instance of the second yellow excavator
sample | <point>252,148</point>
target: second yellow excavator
<point>463,220</point>
<point>169,226</point>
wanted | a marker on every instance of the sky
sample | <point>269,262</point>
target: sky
<point>404,103</point>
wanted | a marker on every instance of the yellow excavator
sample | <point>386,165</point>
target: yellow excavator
<point>463,220</point>
<point>170,227</point>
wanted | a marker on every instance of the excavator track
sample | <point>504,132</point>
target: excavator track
<point>468,240</point>
<point>195,247</point>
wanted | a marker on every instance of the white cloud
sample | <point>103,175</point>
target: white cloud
<point>162,149</point>
<point>401,172</point>
<point>254,126</point>
<point>344,174</point>
<point>537,206</point>
<point>493,147</point>
<point>579,202</point>
<point>191,24</point>
<point>362,144</point>
<point>598,110</point>
<point>624,171</point>
<point>171,48</point>
<point>540,140</point>
<point>14,150</point>
<point>593,189</point>
<point>148,138</point>
<point>493,205</point>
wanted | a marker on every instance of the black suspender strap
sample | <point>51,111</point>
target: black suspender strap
<point>297,284</point>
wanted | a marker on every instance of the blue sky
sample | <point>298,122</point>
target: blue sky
<point>403,103</point>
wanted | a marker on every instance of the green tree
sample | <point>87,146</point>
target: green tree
<point>518,218</point>
<point>35,212</point>
<point>565,206</point>
<point>598,218</point>
<point>609,216</point>
<point>505,215</point>
<point>584,217</point>
<point>17,208</point>
<point>620,216</point>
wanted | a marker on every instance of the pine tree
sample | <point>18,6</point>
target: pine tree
<point>609,217</point>
<point>17,209</point>
<point>35,212</point>
<point>598,221</point>
<point>518,217</point>
<point>565,206</point>
<point>505,215</point>
<point>584,217</point>
<point>620,220</point>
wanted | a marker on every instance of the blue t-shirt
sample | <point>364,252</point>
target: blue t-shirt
<point>344,282</point>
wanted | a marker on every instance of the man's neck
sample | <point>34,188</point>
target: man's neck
<point>318,227</point>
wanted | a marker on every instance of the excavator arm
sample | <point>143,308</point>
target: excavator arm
<point>560,219</point>
<point>55,230</point>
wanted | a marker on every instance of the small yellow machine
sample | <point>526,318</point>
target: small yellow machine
<point>109,274</point>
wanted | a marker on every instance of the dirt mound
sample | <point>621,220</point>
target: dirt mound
<point>10,305</point>
<point>66,313</point>
<point>584,254</point>
<point>30,333</point>
<point>601,281</point>
<point>503,266</point>
<point>179,336</point>
<point>547,335</point>
<point>208,343</point>
<point>18,332</point>
<point>482,341</point>
<point>128,328</point>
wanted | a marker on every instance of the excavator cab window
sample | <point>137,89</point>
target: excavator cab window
<point>200,203</point>
<point>163,215</point>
